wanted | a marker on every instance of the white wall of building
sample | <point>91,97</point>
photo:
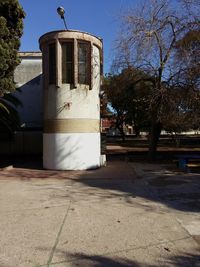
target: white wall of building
<point>29,80</point>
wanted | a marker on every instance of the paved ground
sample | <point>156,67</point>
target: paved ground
<point>126,214</point>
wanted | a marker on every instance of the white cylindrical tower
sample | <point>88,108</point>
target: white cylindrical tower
<point>72,68</point>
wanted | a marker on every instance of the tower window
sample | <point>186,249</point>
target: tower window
<point>84,63</point>
<point>67,62</point>
<point>52,63</point>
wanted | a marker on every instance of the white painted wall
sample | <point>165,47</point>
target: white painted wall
<point>28,79</point>
<point>84,103</point>
<point>71,151</point>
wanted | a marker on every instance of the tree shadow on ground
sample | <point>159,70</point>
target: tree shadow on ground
<point>177,190</point>
<point>82,259</point>
<point>119,181</point>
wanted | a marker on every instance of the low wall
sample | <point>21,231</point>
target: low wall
<point>22,143</point>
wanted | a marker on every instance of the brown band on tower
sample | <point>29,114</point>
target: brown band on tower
<point>72,126</point>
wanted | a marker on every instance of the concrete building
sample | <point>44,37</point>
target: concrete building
<point>72,69</point>
<point>28,77</point>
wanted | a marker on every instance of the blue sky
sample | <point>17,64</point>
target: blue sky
<point>98,17</point>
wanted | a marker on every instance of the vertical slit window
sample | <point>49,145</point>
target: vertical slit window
<point>67,62</point>
<point>84,63</point>
<point>52,63</point>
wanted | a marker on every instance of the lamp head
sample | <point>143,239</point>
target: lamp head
<point>61,12</point>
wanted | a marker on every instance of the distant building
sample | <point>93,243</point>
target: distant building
<point>107,124</point>
<point>28,77</point>
<point>108,127</point>
<point>28,139</point>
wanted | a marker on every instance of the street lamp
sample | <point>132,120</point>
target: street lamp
<point>61,13</point>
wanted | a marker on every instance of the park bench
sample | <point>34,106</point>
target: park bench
<point>187,161</point>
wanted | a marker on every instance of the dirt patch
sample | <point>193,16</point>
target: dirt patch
<point>197,238</point>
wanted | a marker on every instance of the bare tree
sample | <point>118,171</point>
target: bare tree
<point>147,41</point>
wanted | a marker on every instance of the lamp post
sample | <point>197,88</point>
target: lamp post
<point>61,13</point>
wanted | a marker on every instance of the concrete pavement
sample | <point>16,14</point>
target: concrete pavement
<point>126,214</point>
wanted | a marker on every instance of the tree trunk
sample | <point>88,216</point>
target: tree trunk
<point>153,140</point>
<point>119,126</point>
<point>121,130</point>
<point>137,131</point>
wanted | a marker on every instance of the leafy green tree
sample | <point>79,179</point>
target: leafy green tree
<point>9,118</point>
<point>11,29</point>
<point>128,95</point>
<point>114,91</point>
<point>138,106</point>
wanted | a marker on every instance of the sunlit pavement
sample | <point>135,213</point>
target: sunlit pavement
<point>125,214</point>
